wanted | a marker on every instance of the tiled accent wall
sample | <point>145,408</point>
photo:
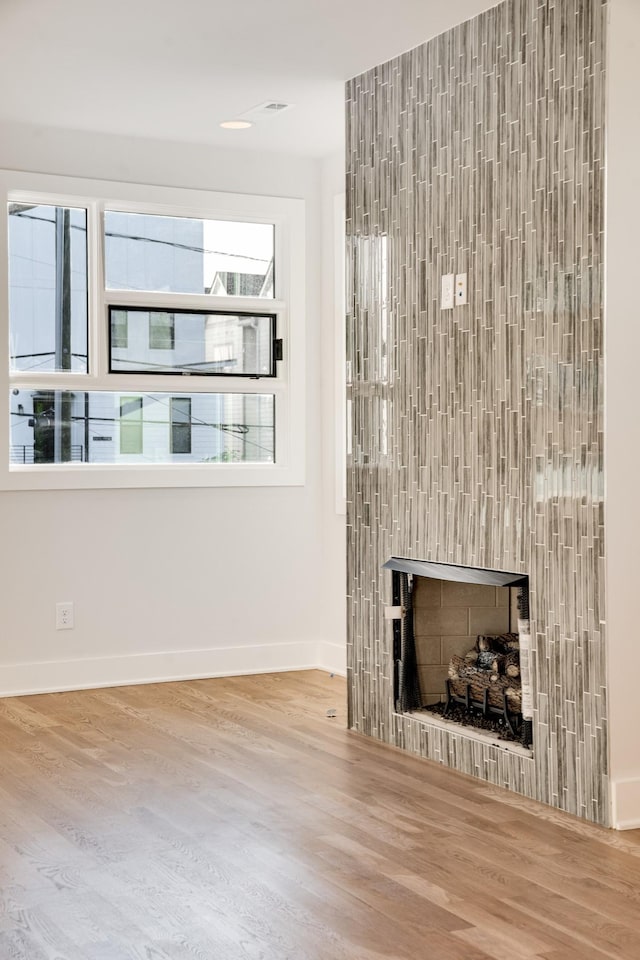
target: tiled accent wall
<point>477,432</point>
<point>447,618</point>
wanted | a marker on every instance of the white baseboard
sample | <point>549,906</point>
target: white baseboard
<point>55,676</point>
<point>625,798</point>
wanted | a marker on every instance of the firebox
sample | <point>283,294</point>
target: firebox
<point>461,646</point>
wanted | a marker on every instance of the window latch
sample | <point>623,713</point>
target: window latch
<point>277,349</point>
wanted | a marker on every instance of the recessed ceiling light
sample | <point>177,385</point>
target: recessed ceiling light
<point>236,124</point>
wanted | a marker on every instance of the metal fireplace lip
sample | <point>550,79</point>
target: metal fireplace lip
<point>452,571</point>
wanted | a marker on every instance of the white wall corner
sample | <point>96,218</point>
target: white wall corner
<point>622,459</point>
<point>625,797</point>
<point>332,657</point>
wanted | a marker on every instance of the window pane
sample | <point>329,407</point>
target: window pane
<point>180,425</point>
<point>64,426</point>
<point>162,331</point>
<point>47,287</point>
<point>119,329</point>
<point>164,341</point>
<point>131,425</point>
<point>174,254</point>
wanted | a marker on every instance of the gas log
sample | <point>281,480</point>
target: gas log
<point>462,673</point>
<point>488,678</point>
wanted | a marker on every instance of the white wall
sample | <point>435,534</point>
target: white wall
<point>622,435</point>
<point>177,583</point>
<point>332,372</point>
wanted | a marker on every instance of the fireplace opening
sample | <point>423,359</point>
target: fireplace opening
<point>461,646</point>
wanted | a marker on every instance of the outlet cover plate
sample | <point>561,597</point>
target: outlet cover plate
<point>64,615</point>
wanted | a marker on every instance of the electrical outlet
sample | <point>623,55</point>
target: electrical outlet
<point>64,615</point>
<point>461,289</point>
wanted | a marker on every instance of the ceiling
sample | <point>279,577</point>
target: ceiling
<point>173,70</point>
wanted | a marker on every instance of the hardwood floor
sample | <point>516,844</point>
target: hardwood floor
<point>232,820</point>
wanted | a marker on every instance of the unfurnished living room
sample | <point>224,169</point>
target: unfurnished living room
<point>318,492</point>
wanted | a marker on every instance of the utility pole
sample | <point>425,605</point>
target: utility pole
<point>63,401</point>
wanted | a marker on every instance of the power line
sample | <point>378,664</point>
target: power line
<point>168,243</point>
<point>239,430</point>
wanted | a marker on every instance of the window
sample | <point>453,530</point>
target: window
<point>162,330</point>
<point>194,339</point>
<point>144,429</point>
<point>180,425</point>
<point>218,257</point>
<point>131,425</point>
<point>115,300</point>
<point>119,329</point>
<point>47,287</point>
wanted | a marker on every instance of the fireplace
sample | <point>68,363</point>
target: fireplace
<point>461,647</point>
<point>477,431</point>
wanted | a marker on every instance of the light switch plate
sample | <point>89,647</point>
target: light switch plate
<point>447,292</point>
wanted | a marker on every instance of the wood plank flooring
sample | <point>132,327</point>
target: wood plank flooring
<point>233,820</point>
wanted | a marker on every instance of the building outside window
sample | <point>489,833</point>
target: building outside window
<point>162,330</point>
<point>131,435</point>
<point>119,329</point>
<point>180,425</point>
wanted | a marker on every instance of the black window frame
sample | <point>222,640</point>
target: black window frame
<point>276,349</point>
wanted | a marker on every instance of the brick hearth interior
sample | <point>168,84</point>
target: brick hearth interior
<point>447,618</point>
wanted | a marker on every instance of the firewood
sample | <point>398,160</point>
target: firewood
<point>512,664</point>
<point>501,643</point>
<point>463,673</point>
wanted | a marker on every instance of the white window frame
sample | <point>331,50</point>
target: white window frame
<point>288,387</point>
<point>340,362</point>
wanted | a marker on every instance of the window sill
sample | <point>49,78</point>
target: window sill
<point>120,476</point>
